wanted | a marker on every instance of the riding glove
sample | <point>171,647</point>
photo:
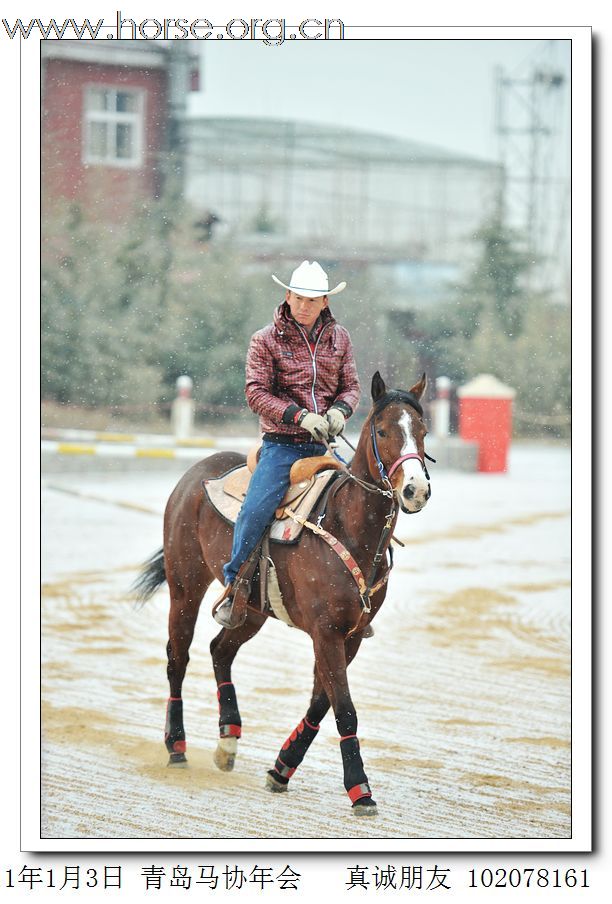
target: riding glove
<point>315,424</point>
<point>336,421</point>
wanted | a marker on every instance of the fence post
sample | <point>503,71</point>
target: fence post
<point>441,408</point>
<point>182,410</point>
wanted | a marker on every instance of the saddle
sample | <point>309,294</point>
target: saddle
<point>309,478</point>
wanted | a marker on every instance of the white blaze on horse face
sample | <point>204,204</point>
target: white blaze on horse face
<point>415,481</point>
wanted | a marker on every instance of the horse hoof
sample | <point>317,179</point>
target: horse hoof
<point>224,756</point>
<point>178,760</point>
<point>365,807</point>
<point>272,783</point>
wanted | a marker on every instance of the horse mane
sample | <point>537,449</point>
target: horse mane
<point>397,395</point>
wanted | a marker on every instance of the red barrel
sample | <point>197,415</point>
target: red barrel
<point>485,417</point>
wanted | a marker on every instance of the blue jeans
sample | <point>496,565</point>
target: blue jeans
<point>268,485</point>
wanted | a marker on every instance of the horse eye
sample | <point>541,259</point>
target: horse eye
<point>381,432</point>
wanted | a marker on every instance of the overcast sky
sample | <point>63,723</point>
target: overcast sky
<point>435,92</point>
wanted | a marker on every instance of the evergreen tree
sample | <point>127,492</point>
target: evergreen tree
<point>492,324</point>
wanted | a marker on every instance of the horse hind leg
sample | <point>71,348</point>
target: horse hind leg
<point>223,649</point>
<point>230,728</point>
<point>184,608</point>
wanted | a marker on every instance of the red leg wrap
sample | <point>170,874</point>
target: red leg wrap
<point>359,791</point>
<point>293,736</point>
<point>282,769</point>
<point>230,731</point>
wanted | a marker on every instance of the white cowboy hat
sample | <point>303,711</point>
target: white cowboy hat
<point>310,280</point>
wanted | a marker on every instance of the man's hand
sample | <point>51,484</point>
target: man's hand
<point>316,425</point>
<point>336,421</point>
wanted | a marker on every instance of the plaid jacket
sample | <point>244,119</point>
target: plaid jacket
<point>283,374</point>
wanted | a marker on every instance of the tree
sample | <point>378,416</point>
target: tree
<point>99,315</point>
<point>497,281</point>
<point>491,324</point>
<point>123,314</point>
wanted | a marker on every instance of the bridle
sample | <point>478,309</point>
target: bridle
<point>387,475</point>
<point>396,395</point>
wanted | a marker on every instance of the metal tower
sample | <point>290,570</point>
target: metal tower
<point>534,144</point>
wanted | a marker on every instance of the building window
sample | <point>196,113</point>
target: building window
<point>114,126</point>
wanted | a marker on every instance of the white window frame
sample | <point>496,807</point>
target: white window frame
<point>112,118</point>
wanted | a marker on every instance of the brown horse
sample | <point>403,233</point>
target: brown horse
<point>321,594</point>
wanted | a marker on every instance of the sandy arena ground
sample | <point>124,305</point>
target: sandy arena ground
<point>463,694</point>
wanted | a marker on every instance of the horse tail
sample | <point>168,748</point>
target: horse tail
<point>152,576</point>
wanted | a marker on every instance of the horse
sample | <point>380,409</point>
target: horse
<point>325,593</point>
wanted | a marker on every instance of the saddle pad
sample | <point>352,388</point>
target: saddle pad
<point>281,531</point>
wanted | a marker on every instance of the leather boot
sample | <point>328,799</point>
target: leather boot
<point>223,615</point>
<point>223,608</point>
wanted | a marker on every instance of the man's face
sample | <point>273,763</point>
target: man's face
<point>305,310</point>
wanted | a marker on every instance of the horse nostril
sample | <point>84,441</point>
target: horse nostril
<point>409,491</point>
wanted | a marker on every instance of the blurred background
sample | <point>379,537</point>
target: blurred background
<point>432,176</point>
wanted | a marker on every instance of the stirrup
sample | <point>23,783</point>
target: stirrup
<point>228,591</point>
<point>227,595</point>
<point>223,614</point>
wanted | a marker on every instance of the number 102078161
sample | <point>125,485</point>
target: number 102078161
<point>527,877</point>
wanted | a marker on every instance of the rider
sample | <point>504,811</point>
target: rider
<point>302,381</point>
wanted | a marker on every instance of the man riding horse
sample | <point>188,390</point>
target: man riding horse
<point>302,381</point>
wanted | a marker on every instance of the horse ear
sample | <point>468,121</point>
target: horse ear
<point>419,388</point>
<point>378,387</point>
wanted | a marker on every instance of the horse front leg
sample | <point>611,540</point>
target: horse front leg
<point>296,746</point>
<point>331,664</point>
<point>223,650</point>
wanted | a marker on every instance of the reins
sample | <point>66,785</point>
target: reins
<point>370,487</point>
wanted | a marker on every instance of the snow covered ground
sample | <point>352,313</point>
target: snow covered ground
<point>463,694</point>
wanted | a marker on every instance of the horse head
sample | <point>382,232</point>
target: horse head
<point>398,434</point>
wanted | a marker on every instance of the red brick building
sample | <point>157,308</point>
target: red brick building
<point>111,123</point>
